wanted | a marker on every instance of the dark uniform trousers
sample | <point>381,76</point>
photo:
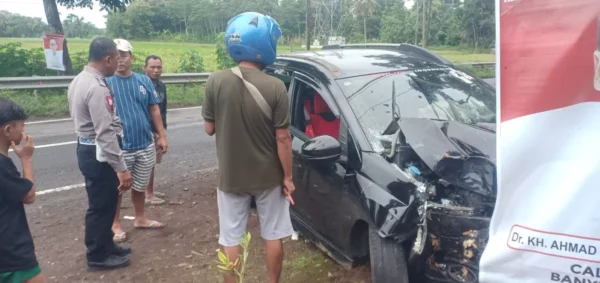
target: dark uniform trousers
<point>101,184</point>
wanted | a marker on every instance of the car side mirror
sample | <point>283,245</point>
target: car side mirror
<point>322,149</point>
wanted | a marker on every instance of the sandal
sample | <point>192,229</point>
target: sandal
<point>160,195</point>
<point>119,238</point>
<point>155,201</point>
<point>153,225</point>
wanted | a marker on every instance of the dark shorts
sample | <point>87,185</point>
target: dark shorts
<point>19,276</point>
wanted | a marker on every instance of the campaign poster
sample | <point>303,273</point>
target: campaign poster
<point>546,224</point>
<point>53,48</point>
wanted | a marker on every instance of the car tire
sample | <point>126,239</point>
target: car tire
<point>388,260</point>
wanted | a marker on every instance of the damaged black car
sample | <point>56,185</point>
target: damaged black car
<point>394,159</point>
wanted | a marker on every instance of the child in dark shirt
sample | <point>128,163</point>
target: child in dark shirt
<point>18,263</point>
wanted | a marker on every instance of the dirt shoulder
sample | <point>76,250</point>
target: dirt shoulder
<point>185,251</point>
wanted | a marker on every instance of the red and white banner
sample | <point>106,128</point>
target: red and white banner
<point>546,226</point>
<point>53,49</point>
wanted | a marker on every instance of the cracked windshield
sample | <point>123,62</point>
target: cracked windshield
<point>441,94</point>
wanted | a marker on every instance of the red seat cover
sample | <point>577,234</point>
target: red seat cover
<point>320,126</point>
<point>309,129</point>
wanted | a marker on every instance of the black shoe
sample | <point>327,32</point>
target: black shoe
<point>120,250</point>
<point>112,262</point>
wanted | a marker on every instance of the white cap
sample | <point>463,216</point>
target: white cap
<point>123,45</point>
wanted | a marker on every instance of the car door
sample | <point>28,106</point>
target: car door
<point>299,172</point>
<point>321,202</point>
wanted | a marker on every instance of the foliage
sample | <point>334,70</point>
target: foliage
<point>19,62</point>
<point>139,60</point>
<point>75,26</point>
<point>224,61</point>
<point>15,25</point>
<point>397,25</point>
<point>237,268</point>
<point>171,52</point>
<point>105,4</point>
<point>54,104</point>
<point>27,58</point>
<point>80,59</point>
<point>135,23</point>
<point>191,62</point>
<point>450,22</point>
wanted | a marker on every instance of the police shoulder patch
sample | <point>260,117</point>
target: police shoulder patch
<point>110,103</point>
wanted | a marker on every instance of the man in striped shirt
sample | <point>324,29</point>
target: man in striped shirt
<point>137,104</point>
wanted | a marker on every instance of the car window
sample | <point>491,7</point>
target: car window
<point>444,94</point>
<point>300,114</point>
<point>282,74</point>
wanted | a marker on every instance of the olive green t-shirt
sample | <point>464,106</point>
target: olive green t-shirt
<point>246,143</point>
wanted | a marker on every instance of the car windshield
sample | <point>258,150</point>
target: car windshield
<point>442,94</point>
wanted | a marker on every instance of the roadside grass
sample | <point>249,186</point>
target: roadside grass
<point>45,104</point>
<point>53,103</point>
<point>171,51</point>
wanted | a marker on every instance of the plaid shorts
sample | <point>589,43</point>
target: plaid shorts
<point>140,163</point>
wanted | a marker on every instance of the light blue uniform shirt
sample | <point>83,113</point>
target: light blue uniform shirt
<point>133,97</point>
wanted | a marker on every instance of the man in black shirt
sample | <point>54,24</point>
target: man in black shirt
<point>153,68</point>
<point>17,252</point>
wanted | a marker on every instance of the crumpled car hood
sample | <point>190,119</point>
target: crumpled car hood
<point>464,155</point>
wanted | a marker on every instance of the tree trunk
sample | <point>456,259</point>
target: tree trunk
<point>53,19</point>
<point>428,28</point>
<point>307,24</point>
<point>425,21</point>
<point>185,22</point>
<point>475,39</point>
<point>365,27</point>
<point>417,23</point>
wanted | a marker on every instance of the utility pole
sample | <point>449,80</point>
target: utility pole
<point>307,24</point>
<point>331,19</point>
<point>426,8</point>
<point>416,9</point>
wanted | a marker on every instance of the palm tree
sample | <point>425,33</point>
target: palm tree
<point>364,9</point>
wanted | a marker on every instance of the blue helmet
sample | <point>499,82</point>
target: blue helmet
<point>252,37</point>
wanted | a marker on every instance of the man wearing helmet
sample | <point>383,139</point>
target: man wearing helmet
<point>249,113</point>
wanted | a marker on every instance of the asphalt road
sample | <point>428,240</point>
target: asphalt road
<point>55,162</point>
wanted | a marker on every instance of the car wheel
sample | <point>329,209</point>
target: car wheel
<point>388,260</point>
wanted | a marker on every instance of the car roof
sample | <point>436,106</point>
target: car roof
<point>352,60</point>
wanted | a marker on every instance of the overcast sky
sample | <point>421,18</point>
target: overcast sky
<point>35,8</point>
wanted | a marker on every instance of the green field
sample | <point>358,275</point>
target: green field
<point>171,51</point>
<point>53,103</point>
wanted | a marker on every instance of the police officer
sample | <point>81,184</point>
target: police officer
<point>99,153</point>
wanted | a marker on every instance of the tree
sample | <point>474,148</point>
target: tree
<point>364,9</point>
<point>75,26</point>
<point>428,22</point>
<point>53,18</point>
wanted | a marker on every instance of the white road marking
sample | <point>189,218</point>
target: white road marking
<point>185,108</point>
<point>176,126</point>
<point>65,188</point>
<point>52,145</point>
<point>48,121</point>
<point>56,144</point>
<point>70,119</point>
